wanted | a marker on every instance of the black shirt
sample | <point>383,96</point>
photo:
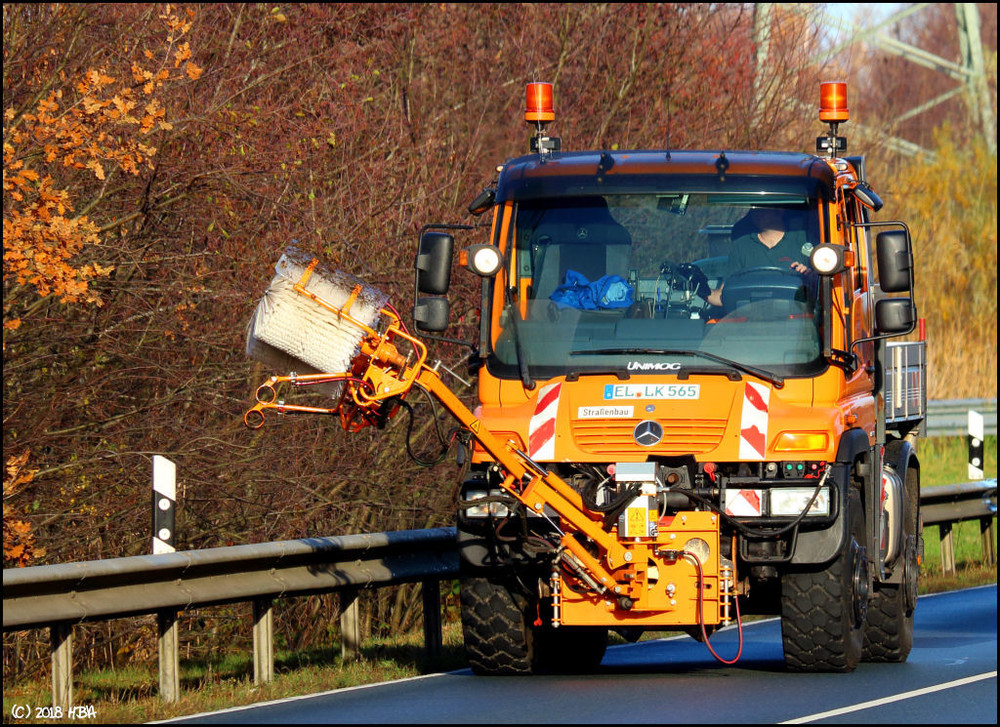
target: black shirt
<point>749,252</point>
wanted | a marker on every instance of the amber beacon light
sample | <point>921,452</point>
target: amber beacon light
<point>538,103</point>
<point>833,102</point>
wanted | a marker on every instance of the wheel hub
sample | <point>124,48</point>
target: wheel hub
<point>911,571</point>
<point>860,582</point>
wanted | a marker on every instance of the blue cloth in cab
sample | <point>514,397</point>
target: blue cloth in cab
<point>607,292</point>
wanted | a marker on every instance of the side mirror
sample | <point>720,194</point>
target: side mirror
<point>431,314</point>
<point>483,201</point>
<point>867,196</point>
<point>434,263</point>
<point>894,316</point>
<point>895,261</point>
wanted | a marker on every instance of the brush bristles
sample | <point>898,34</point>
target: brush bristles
<point>291,323</point>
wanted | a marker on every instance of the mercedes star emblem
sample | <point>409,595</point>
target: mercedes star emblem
<point>647,433</point>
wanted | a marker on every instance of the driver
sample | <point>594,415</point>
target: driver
<point>769,245</point>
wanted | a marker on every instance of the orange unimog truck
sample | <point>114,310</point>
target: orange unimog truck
<point>685,354</point>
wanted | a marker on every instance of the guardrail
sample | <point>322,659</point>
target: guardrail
<point>946,418</point>
<point>58,596</point>
<point>944,505</point>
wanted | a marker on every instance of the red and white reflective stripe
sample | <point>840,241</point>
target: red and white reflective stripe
<point>753,423</point>
<point>743,503</point>
<point>542,427</point>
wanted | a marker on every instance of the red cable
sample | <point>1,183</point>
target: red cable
<point>701,621</point>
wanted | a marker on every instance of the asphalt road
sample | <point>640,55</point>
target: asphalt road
<point>949,678</point>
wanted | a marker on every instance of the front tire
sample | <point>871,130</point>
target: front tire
<point>506,634</point>
<point>823,612</point>
<point>498,641</point>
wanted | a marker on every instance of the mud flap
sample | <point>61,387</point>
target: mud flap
<point>815,547</point>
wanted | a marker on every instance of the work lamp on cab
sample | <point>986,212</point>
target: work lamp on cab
<point>484,260</point>
<point>831,259</point>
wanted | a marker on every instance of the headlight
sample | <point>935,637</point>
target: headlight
<point>476,510</point>
<point>791,501</point>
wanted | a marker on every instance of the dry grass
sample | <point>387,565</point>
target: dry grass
<point>949,203</point>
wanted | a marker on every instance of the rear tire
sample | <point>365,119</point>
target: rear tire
<point>889,635</point>
<point>823,612</point>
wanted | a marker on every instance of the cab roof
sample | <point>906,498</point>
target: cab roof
<point>562,174</point>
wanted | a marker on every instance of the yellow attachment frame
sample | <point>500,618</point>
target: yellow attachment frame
<point>380,376</point>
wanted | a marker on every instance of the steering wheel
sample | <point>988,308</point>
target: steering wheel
<point>696,278</point>
<point>684,278</point>
<point>762,283</point>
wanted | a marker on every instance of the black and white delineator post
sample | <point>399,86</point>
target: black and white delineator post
<point>164,517</point>
<point>164,504</point>
<point>976,434</point>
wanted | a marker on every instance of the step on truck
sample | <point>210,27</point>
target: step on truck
<point>689,410</point>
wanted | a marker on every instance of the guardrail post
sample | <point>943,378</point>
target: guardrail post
<point>263,640</point>
<point>431,593</point>
<point>61,639</point>
<point>350,625</point>
<point>170,682</point>
<point>987,538</point>
<point>947,549</point>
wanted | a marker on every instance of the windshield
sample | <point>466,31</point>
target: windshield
<point>660,282</point>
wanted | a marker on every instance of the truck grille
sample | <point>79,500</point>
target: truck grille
<point>612,437</point>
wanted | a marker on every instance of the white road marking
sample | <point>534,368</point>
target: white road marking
<point>302,697</point>
<point>890,700</point>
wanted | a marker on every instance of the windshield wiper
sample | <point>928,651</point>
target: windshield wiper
<point>522,364</point>
<point>774,379</point>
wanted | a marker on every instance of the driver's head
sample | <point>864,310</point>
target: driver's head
<point>768,218</point>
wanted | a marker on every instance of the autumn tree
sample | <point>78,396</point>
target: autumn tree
<point>66,135</point>
<point>94,123</point>
<point>18,542</point>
